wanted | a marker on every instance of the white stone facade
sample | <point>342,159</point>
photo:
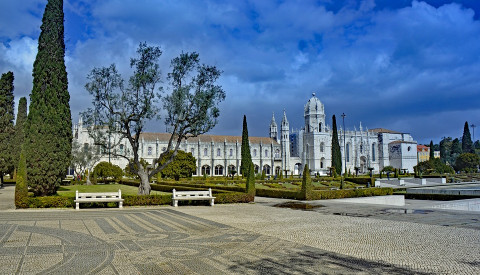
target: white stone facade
<point>364,149</point>
<point>220,155</point>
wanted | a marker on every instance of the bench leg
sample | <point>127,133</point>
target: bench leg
<point>77,206</point>
<point>120,204</point>
<point>212,202</point>
<point>175,203</point>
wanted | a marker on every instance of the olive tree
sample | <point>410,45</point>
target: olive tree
<point>84,158</point>
<point>120,111</point>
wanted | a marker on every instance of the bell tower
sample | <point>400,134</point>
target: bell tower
<point>285,142</point>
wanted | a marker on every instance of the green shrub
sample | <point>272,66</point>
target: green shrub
<point>106,170</point>
<point>350,193</point>
<point>130,200</point>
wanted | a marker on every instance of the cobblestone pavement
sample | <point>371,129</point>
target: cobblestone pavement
<point>419,247</point>
<point>240,239</point>
<point>163,240</point>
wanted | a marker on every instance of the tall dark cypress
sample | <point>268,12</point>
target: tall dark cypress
<point>336,153</point>
<point>49,125</point>
<point>6,124</point>
<point>20,129</point>
<point>432,151</point>
<point>467,144</point>
<point>245,152</point>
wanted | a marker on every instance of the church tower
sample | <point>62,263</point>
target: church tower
<point>285,142</point>
<point>314,115</point>
<point>273,129</point>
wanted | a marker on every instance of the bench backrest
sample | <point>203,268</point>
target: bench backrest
<point>192,193</point>
<point>99,195</point>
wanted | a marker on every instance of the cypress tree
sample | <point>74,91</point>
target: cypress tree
<point>336,153</point>
<point>432,150</point>
<point>49,126</point>
<point>306,184</point>
<point>245,152</point>
<point>250,185</point>
<point>6,124</point>
<point>19,129</point>
<point>467,144</point>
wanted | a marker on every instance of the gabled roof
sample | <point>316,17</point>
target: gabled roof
<point>383,130</point>
<point>208,138</point>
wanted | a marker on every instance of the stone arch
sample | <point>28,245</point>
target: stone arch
<point>278,170</point>
<point>266,168</point>
<point>297,168</point>
<point>206,170</point>
<point>231,169</point>
<point>218,170</point>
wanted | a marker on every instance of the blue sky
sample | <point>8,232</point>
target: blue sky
<point>410,66</point>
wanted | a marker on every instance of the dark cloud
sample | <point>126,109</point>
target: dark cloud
<point>409,66</point>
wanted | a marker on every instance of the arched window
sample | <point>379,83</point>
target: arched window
<point>218,170</point>
<point>322,161</point>
<point>205,152</point>
<point>322,147</point>
<point>218,152</point>
<point>266,153</point>
<point>256,169</point>
<point>266,168</point>
<point>192,150</point>
<point>231,152</point>
<point>348,152</point>
<point>277,170</point>
<point>254,152</point>
<point>277,153</point>
<point>121,148</point>
<point>320,127</point>
<point>149,150</point>
<point>232,170</point>
<point>361,148</point>
<point>373,152</point>
<point>206,170</point>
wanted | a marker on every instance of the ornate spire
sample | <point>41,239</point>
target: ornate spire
<point>273,123</point>
<point>284,120</point>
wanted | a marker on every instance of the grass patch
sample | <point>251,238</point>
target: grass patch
<point>69,191</point>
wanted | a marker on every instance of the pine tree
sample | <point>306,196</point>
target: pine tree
<point>467,144</point>
<point>6,124</point>
<point>245,152</point>
<point>20,129</point>
<point>446,150</point>
<point>432,150</point>
<point>336,153</point>
<point>48,129</point>
<point>456,150</point>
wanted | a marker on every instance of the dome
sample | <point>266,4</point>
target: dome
<point>314,106</point>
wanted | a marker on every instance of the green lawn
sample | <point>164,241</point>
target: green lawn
<point>69,191</point>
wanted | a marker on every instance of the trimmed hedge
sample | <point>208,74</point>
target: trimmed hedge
<point>45,202</point>
<point>326,194</point>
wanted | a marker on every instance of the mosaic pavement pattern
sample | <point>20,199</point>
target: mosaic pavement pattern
<point>157,241</point>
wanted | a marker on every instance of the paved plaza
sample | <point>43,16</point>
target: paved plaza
<point>256,238</point>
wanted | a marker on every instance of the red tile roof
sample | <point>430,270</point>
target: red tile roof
<point>208,138</point>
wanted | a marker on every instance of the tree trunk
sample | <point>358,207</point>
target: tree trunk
<point>144,187</point>
<point>88,178</point>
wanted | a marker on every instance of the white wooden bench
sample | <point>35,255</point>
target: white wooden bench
<point>98,197</point>
<point>192,195</point>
